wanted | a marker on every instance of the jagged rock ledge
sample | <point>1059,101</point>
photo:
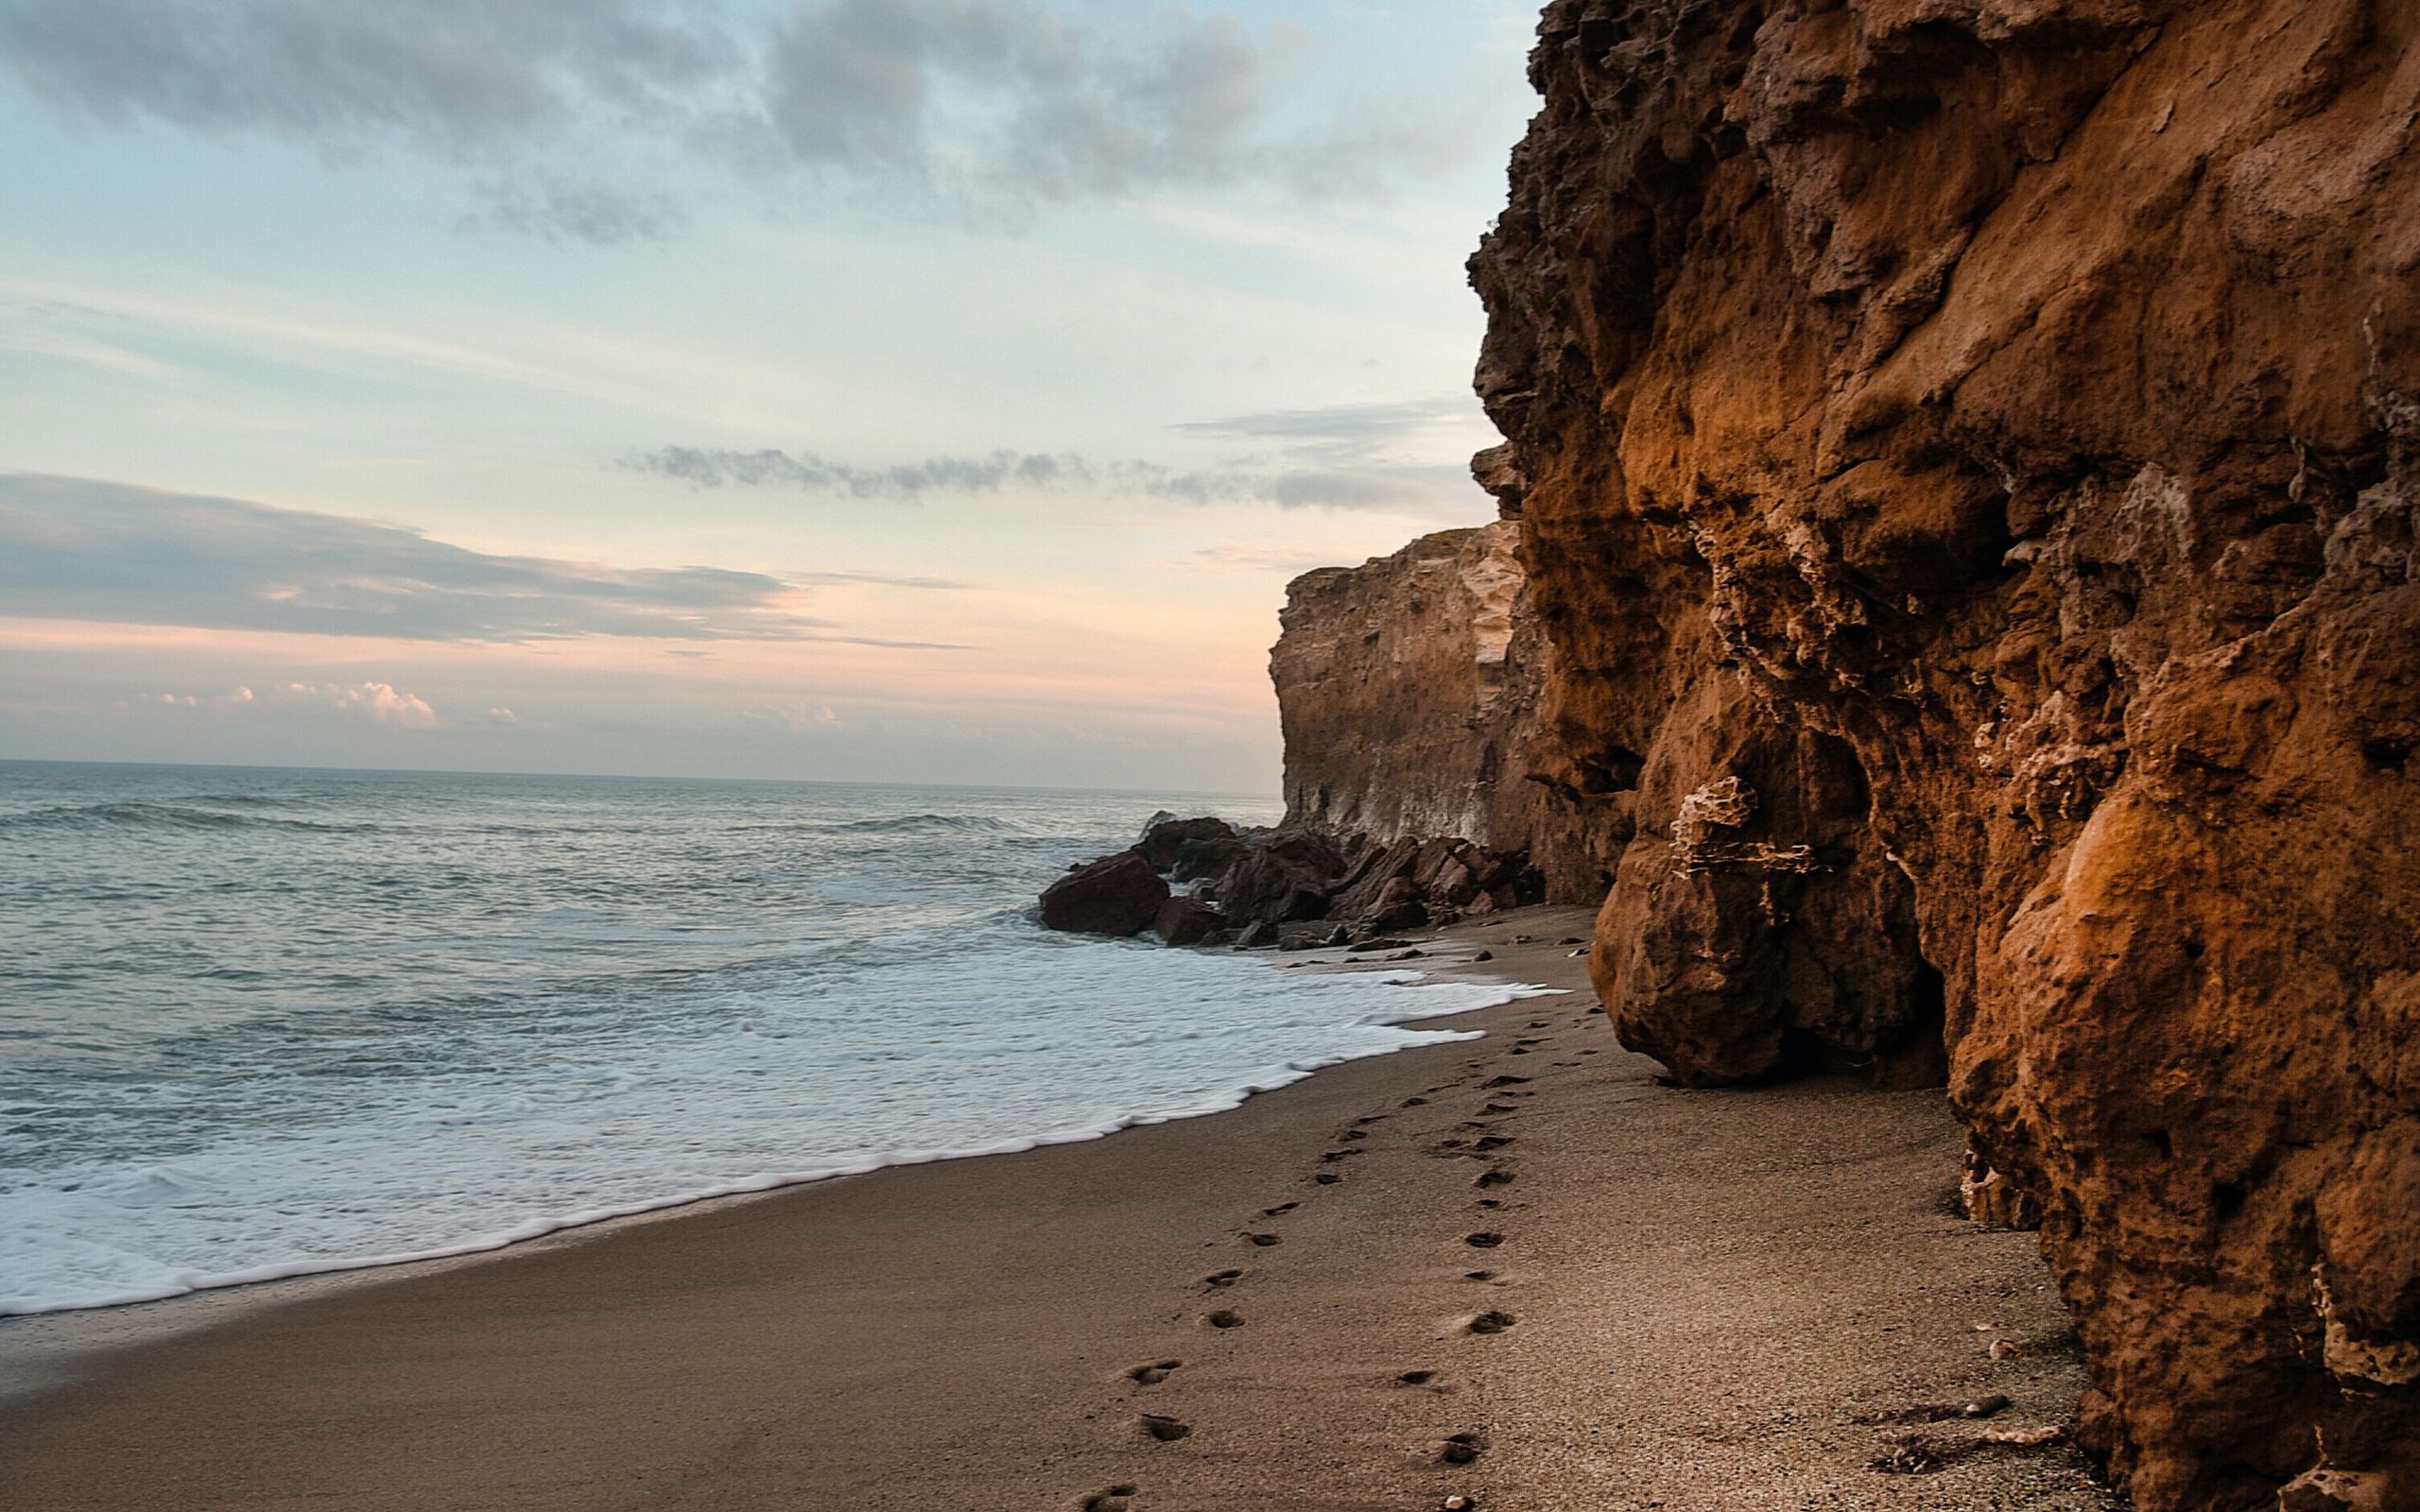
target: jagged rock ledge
<point>1286,886</point>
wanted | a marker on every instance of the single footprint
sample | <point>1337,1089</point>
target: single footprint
<point>1478,1274</point>
<point>1451,1144</point>
<point>1339,1155</point>
<point>1282,1207</point>
<point>1224,1278</point>
<point>1417,1378</point>
<point>1504,1081</point>
<point>1152,1374</point>
<point>1371,1118</point>
<point>1415,1102</point>
<point>1499,1108</point>
<point>1226,1317</point>
<point>1538,1023</point>
<point>1493,1142</point>
<point>1461,1449</point>
<point>1484,1239</point>
<point>1517,1050</point>
<point>1492,1322</point>
<point>1164,1428</point>
<point>1496,1178</point>
<point>1327,1178</point>
<point>1490,1202</point>
<point>1264,1241</point>
<point>1351,1134</point>
<point>1115,1499</point>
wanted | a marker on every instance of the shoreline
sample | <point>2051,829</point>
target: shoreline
<point>38,1349</point>
<point>973,1333</point>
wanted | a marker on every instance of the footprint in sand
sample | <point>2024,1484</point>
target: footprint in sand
<point>1416,1378</point>
<point>1264,1241</point>
<point>1417,1102</point>
<point>1115,1499</point>
<point>1493,1142</point>
<point>1351,1134</point>
<point>1502,1081</point>
<point>1484,1239</point>
<point>1226,1317</point>
<point>1461,1449</point>
<point>1499,1108</point>
<point>1327,1178</point>
<point>1339,1155</point>
<point>1282,1207</point>
<point>1152,1374</point>
<point>1478,1274</point>
<point>1371,1118</point>
<point>1491,1322</point>
<point>1164,1428</point>
<point>1223,1277</point>
<point>1499,1176</point>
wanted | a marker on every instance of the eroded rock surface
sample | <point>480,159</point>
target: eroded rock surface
<point>1408,688</point>
<point>1982,429</point>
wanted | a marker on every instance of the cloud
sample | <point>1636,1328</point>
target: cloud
<point>554,209</point>
<point>81,549</point>
<point>380,703</point>
<point>1407,456</point>
<point>461,76</point>
<point>1249,559</point>
<point>1368,485</point>
<point>980,102</point>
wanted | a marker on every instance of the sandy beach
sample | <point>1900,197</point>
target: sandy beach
<point>1513,1269</point>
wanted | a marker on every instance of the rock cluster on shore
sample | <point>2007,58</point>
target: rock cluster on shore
<point>1288,885</point>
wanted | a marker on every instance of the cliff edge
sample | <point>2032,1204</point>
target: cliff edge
<point>1964,453</point>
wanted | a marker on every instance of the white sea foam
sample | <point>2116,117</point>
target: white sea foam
<point>260,1052</point>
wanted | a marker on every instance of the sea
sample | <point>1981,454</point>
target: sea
<point>264,1023</point>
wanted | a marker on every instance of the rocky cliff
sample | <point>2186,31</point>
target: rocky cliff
<point>1964,458</point>
<point>1408,690</point>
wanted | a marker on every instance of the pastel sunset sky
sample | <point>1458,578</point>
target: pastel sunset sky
<point>917,390</point>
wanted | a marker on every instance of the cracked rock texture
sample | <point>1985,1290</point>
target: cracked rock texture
<point>1408,689</point>
<point>1960,456</point>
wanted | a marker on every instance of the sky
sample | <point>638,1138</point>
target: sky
<point>914,390</point>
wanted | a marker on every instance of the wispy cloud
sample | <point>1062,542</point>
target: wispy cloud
<point>87,550</point>
<point>977,101</point>
<point>1406,455</point>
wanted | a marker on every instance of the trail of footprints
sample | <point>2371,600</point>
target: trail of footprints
<point>1458,1449</point>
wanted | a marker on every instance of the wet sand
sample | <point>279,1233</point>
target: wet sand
<point>1682,1300</point>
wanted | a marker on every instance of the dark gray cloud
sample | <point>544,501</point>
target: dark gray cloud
<point>1068,109</point>
<point>1358,456</point>
<point>462,76</point>
<point>980,102</point>
<point>82,549</point>
<point>1417,487</point>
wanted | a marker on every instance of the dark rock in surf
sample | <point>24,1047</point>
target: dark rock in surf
<point>1117,895</point>
<point>1167,836</point>
<point>1188,921</point>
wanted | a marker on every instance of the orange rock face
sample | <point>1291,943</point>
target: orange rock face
<point>1408,690</point>
<point>1962,452</point>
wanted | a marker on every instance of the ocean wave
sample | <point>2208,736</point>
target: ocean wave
<point>899,824</point>
<point>137,814</point>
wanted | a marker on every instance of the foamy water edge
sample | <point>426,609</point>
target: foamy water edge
<point>191,1283</point>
